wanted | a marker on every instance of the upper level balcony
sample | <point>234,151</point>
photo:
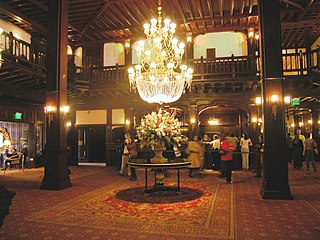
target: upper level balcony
<point>25,67</point>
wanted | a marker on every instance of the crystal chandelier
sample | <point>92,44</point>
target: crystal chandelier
<point>213,121</point>
<point>160,77</point>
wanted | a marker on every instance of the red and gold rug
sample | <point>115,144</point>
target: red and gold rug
<point>203,209</point>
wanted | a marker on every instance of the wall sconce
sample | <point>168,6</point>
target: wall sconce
<point>310,121</point>
<point>251,32</point>
<point>127,44</point>
<point>189,37</point>
<point>68,124</point>
<point>192,120</point>
<point>254,120</point>
<point>213,121</point>
<point>69,50</point>
<point>49,110</point>
<point>64,109</point>
<point>287,100</point>
<point>1,48</point>
<point>127,122</point>
<point>258,101</point>
<point>274,100</point>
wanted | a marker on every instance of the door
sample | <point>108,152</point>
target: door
<point>92,144</point>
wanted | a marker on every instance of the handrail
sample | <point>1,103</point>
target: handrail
<point>205,69</point>
<point>22,51</point>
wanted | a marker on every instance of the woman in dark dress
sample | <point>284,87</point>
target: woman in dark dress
<point>297,151</point>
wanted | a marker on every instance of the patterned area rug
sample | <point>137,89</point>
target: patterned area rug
<point>202,209</point>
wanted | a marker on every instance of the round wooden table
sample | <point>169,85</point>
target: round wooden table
<point>159,169</point>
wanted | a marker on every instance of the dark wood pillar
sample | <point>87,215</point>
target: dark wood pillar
<point>275,178</point>
<point>56,174</point>
<point>315,125</point>
<point>5,202</point>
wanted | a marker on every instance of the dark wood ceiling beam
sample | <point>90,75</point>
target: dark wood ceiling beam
<point>221,10</point>
<point>180,8</point>
<point>190,9</point>
<point>20,17</point>
<point>242,6</point>
<point>140,13</point>
<point>250,6</point>
<point>115,9</point>
<point>306,8</point>
<point>293,4</point>
<point>302,24</point>
<point>129,13</point>
<point>231,7</point>
<point>97,15</point>
<point>223,18</point>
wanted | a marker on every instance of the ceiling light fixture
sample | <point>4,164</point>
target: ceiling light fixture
<point>160,76</point>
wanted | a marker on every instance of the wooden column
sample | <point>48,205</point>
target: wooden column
<point>194,129</point>
<point>5,202</point>
<point>56,174</point>
<point>315,124</point>
<point>275,177</point>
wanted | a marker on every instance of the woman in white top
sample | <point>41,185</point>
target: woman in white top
<point>245,143</point>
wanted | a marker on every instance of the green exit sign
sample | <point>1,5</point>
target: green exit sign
<point>295,102</point>
<point>17,116</point>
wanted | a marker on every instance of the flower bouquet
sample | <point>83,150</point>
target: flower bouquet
<point>158,129</point>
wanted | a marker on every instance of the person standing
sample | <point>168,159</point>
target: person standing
<point>216,155</point>
<point>235,158</point>
<point>227,149</point>
<point>308,151</point>
<point>289,147</point>
<point>125,156</point>
<point>133,153</point>
<point>194,149</point>
<point>297,151</point>
<point>245,143</point>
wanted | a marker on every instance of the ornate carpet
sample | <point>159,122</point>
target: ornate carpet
<point>203,209</point>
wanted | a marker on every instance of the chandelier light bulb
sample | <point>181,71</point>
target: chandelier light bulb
<point>183,67</point>
<point>146,26</point>
<point>167,21</point>
<point>153,22</point>
<point>170,65</point>
<point>174,41</point>
<point>181,45</point>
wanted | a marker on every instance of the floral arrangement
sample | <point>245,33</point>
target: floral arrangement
<point>158,128</point>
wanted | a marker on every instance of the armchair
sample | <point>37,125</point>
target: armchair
<point>17,159</point>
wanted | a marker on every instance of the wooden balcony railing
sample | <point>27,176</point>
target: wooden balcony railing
<point>233,68</point>
<point>21,52</point>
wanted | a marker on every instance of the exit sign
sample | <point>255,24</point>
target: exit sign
<point>295,102</point>
<point>17,116</point>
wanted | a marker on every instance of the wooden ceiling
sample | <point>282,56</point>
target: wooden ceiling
<point>117,20</point>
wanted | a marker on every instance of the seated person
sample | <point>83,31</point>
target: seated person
<point>10,153</point>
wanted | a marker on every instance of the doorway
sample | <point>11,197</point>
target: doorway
<point>91,144</point>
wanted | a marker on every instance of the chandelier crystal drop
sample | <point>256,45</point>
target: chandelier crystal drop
<point>160,77</point>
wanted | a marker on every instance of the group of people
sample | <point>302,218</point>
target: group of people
<point>223,151</point>
<point>223,154</point>
<point>301,148</point>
